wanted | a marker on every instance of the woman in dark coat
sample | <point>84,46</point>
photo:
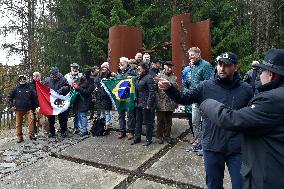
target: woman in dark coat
<point>145,101</point>
<point>103,100</point>
<point>82,103</point>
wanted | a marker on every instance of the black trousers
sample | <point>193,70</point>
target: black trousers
<point>63,118</point>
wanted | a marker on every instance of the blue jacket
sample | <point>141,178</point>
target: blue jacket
<point>235,94</point>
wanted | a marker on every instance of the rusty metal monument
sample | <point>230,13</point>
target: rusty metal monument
<point>127,41</point>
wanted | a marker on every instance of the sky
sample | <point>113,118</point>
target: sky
<point>13,59</point>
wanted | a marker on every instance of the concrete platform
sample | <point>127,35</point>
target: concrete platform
<point>55,173</point>
<point>145,184</point>
<point>185,167</point>
<point>111,151</point>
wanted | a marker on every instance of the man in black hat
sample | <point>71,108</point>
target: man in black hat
<point>22,101</point>
<point>261,122</point>
<point>165,106</point>
<point>220,146</point>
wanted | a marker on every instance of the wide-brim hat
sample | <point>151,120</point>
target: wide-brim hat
<point>168,63</point>
<point>273,61</point>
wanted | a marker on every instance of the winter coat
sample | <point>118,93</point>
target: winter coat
<point>262,124</point>
<point>24,97</point>
<point>83,99</point>
<point>128,71</point>
<point>145,91</point>
<point>235,94</point>
<point>103,100</point>
<point>200,71</point>
<point>33,86</point>
<point>60,86</point>
<point>252,77</point>
<point>163,102</point>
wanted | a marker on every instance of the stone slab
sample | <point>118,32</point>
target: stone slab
<point>146,184</point>
<point>60,174</point>
<point>109,150</point>
<point>182,166</point>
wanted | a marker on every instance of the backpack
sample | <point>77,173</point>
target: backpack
<point>98,128</point>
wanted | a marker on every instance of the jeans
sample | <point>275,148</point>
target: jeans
<point>81,118</point>
<point>215,165</point>
<point>63,118</point>
<point>130,121</point>
<point>106,114</point>
<point>147,116</point>
<point>196,122</point>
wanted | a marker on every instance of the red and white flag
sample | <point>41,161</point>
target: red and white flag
<point>50,102</point>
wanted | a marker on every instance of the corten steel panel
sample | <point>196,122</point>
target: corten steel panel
<point>185,35</point>
<point>123,41</point>
<point>180,38</point>
<point>201,37</point>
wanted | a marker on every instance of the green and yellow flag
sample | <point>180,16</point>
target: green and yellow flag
<point>122,92</point>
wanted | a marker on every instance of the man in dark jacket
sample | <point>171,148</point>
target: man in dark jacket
<point>60,85</point>
<point>24,104</point>
<point>126,71</point>
<point>82,103</point>
<point>220,146</point>
<point>262,124</point>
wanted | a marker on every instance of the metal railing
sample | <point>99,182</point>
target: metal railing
<point>7,119</point>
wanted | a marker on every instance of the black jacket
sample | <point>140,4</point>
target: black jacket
<point>262,123</point>
<point>145,91</point>
<point>84,98</point>
<point>24,97</point>
<point>235,94</point>
<point>103,100</point>
<point>60,86</point>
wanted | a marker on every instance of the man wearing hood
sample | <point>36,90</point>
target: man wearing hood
<point>219,145</point>
<point>22,100</point>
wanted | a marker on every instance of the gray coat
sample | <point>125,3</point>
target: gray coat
<point>262,123</point>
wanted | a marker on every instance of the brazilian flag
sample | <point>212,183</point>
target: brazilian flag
<point>122,92</point>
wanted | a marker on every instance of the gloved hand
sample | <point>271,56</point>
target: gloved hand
<point>75,85</point>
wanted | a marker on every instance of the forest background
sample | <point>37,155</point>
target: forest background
<point>59,32</point>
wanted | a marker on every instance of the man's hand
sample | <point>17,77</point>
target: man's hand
<point>163,83</point>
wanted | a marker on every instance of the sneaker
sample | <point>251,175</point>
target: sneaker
<point>169,140</point>
<point>136,141</point>
<point>76,131</point>
<point>51,135</point>
<point>130,136</point>
<point>161,141</point>
<point>20,140</point>
<point>121,135</point>
<point>193,148</point>
<point>84,134</point>
<point>147,143</point>
<point>200,152</point>
<point>32,137</point>
<point>63,135</point>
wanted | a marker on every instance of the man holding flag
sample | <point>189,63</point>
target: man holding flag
<point>125,71</point>
<point>59,104</point>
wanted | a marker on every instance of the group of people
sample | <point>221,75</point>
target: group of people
<point>234,123</point>
<point>93,96</point>
<point>242,125</point>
